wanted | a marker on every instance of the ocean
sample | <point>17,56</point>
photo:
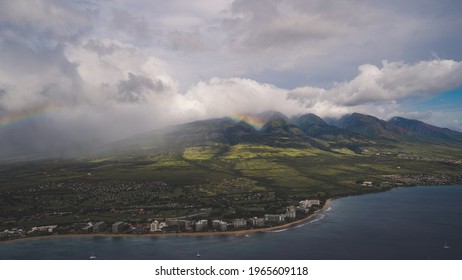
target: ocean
<point>403,223</point>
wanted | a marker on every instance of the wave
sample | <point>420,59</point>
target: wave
<point>279,230</point>
<point>321,216</point>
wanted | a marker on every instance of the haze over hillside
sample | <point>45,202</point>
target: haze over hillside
<point>354,132</point>
<point>76,75</point>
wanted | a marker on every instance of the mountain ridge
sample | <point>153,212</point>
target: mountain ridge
<point>354,132</point>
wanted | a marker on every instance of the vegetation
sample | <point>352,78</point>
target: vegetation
<point>204,174</point>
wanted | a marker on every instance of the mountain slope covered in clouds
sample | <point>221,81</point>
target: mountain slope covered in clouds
<point>354,132</point>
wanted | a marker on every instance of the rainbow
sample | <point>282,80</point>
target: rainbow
<point>252,120</point>
<point>29,114</point>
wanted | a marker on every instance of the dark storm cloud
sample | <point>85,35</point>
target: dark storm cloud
<point>121,67</point>
<point>136,87</point>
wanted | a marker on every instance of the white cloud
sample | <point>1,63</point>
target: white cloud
<point>220,97</point>
<point>111,70</point>
<point>123,66</point>
<point>394,81</point>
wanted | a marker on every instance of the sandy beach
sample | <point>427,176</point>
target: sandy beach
<point>207,233</point>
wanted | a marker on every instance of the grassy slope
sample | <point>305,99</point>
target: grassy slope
<point>272,177</point>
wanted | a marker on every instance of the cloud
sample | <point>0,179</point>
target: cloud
<point>187,42</point>
<point>113,71</point>
<point>122,67</point>
<point>134,26</point>
<point>393,82</point>
<point>220,97</point>
<point>44,24</point>
<point>137,87</point>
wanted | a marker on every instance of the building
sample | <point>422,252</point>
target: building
<point>201,225</point>
<point>99,227</point>
<point>179,224</point>
<point>239,223</point>
<point>368,183</point>
<point>291,212</point>
<point>3,234</point>
<point>220,225</point>
<point>185,224</point>
<point>48,228</point>
<point>171,222</point>
<point>257,222</point>
<point>308,203</point>
<point>119,227</point>
<point>274,218</point>
<point>87,229</point>
<point>303,210</point>
<point>155,226</point>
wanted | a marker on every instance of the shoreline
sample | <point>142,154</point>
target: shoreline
<point>211,233</point>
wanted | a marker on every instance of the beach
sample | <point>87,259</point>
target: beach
<point>205,233</point>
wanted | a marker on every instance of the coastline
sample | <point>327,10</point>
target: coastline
<point>237,232</point>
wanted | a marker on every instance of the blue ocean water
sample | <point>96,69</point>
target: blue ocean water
<point>404,223</point>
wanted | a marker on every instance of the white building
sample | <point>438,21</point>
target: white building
<point>239,223</point>
<point>155,226</point>
<point>308,203</point>
<point>201,225</point>
<point>220,225</point>
<point>274,218</point>
<point>257,222</point>
<point>291,212</point>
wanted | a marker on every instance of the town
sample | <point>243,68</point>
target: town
<point>170,225</point>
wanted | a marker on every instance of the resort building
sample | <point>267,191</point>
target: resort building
<point>201,225</point>
<point>257,222</point>
<point>291,212</point>
<point>119,227</point>
<point>239,223</point>
<point>155,226</point>
<point>274,218</point>
<point>220,225</point>
<point>87,229</point>
<point>184,224</point>
<point>308,203</point>
<point>99,227</point>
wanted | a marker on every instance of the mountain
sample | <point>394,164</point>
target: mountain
<point>268,115</point>
<point>278,124</point>
<point>426,130</point>
<point>315,126</point>
<point>354,132</point>
<point>372,127</point>
<point>241,132</point>
<point>308,122</point>
<point>176,138</point>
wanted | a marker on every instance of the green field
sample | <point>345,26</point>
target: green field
<point>227,181</point>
